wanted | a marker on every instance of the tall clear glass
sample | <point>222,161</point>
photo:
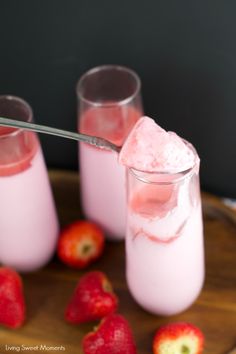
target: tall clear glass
<point>28,220</point>
<point>109,104</point>
<point>164,239</point>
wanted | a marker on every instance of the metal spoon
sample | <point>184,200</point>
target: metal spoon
<point>92,140</point>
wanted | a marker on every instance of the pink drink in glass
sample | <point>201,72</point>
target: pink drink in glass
<point>28,221</point>
<point>164,238</point>
<point>109,106</point>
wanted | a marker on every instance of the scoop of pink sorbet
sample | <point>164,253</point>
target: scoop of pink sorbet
<point>150,148</point>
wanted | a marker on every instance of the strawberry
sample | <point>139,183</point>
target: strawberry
<point>112,336</point>
<point>178,338</point>
<point>93,299</point>
<point>12,303</point>
<point>80,244</point>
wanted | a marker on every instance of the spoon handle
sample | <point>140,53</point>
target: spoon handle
<point>92,140</point>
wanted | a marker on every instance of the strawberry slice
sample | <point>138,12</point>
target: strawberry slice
<point>80,244</point>
<point>12,303</point>
<point>178,338</point>
<point>112,336</point>
<point>92,299</point>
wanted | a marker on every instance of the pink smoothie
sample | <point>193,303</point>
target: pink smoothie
<point>102,177</point>
<point>164,247</point>
<point>28,220</point>
<point>164,236</point>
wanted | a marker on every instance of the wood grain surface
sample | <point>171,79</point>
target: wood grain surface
<point>48,290</point>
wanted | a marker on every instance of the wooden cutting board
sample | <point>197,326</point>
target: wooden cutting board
<point>48,290</point>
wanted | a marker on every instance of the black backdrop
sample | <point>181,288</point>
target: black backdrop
<point>184,52</point>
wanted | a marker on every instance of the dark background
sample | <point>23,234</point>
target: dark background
<point>184,52</point>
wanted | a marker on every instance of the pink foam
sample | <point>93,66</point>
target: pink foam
<point>150,148</point>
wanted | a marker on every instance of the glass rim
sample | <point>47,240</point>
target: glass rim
<point>180,174</point>
<point>103,68</point>
<point>20,100</point>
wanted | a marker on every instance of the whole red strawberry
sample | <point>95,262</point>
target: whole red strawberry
<point>112,336</point>
<point>12,303</point>
<point>80,244</point>
<point>178,338</point>
<point>93,299</point>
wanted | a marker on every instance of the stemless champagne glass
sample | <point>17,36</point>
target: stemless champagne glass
<point>28,220</point>
<point>164,239</point>
<point>109,104</point>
